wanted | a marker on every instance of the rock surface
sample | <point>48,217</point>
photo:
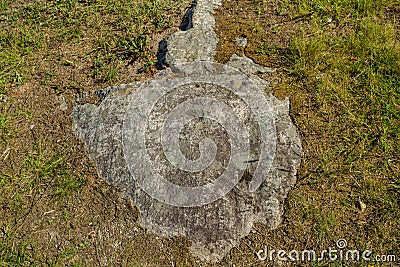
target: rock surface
<point>197,41</point>
<point>213,228</point>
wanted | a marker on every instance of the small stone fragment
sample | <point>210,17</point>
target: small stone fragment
<point>242,41</point>
<point>361,205</point>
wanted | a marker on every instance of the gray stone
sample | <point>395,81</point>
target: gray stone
<point>124,133</point>
<point>247,65</point>
<point>216,227</point>
<point>198,42</point>
<point>241,41</point>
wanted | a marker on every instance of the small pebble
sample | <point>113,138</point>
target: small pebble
<point>241,42</point>
<point>361,206</point>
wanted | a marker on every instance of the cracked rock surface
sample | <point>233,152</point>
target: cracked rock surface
<point>214,228</point>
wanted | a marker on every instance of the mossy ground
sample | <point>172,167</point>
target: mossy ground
<point>337,61</point>
<point>54,209</point>
<point>339,64</point>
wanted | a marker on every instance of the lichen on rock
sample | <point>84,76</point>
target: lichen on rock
<point>216,226</point>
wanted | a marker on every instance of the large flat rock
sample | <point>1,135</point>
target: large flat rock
<point>200,148</point>
<point>124,135</point>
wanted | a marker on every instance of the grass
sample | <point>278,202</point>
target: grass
<point>52,52</point>
<point>339,62</point>
<point>6,131</point>
<point>116,30</point>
